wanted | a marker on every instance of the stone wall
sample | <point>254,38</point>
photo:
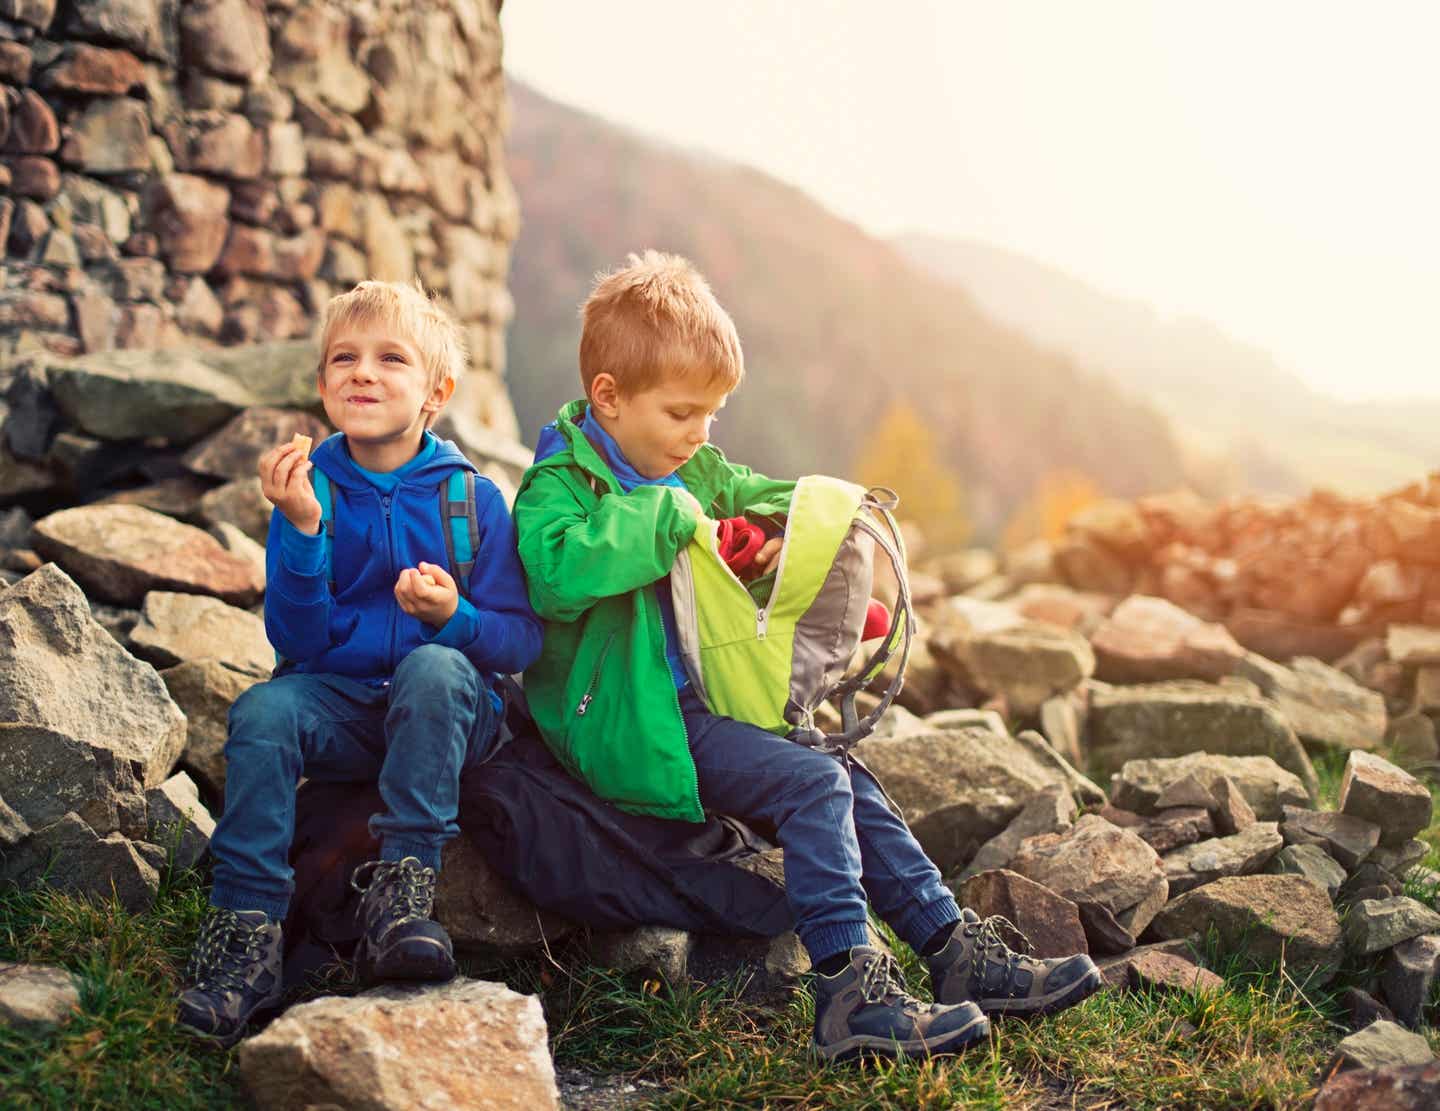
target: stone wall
<point>209,172</point>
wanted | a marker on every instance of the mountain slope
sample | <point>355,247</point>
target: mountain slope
<point>1225,396</point>
<point>837,326</point>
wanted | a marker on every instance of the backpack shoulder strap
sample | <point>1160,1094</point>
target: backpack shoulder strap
<point>325,495</point>
<point>461,525</point>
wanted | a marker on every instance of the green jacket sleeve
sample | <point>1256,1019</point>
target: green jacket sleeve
<point>575,554</point>
<point>744,490</point>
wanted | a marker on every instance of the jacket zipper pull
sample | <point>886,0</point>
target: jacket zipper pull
<point>584,705</point>
<point>762,621</point>
<point>385,505</point>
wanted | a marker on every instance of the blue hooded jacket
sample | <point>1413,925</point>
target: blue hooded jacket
<point>361,631</point>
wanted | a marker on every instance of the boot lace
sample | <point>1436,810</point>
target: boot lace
<point>880,982</point>
<point>411,893</point>
<point>224,951</point>
<point>990,945</point>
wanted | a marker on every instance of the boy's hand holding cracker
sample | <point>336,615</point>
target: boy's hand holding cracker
<point>428,593</point>
<point>285,482</point>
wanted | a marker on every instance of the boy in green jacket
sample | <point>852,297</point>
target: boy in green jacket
<point>619,481</point>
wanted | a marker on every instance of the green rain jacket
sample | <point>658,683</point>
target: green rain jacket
<point>601,692</point>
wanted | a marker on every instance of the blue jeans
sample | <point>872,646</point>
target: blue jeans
<point>414,736</point>
<point>842,841</point>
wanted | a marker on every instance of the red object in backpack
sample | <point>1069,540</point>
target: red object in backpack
<point>738,542</point>
<point>877,620</point>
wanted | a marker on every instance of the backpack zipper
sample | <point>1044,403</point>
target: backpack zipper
<point>589,695</point>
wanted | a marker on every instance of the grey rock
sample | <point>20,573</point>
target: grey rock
<point>1103,931</point>
<point>651,951</point>
<point>178,628</point>
<point>1096,862</point>
<point>1324,706</point>
<point>1398,1088</point>
<point>1409,976</point>
<point>234,541</point>
<point>1174,828</point>
<point>1265,918</point>
<point>70,856</point>
<point>1348,839</point>
<point>1399,859</point>
<point>1185,791</point>
<point>1413,645</point>
<point>234,451</point>
<point>1267,787</point>
<point>14,528</point>
<point>119,553</point>
<point>1174,719</point>
<point>205,691</point>
<point>1240,854</point>
<point>65,674</point>
<point>1027,664</point>
<point>1383,1044</point>
<point>13,828</point>
<point>957,788</point>
<point>1050,811</point>
<point>1313,863</point>
<point>240,503</point>
<point>35,997</point>
<point>1233,813</point>
<point>1376,790</point>
<point>1376,924</point>
<point>483,914</point>
<point>179,822</point>
<point>1086,791</point>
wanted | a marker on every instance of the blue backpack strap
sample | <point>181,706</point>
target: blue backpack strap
<point>461,525</point>
<point>325,495</point>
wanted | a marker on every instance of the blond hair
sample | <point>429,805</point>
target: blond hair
<point>653,318</point>
<point>406,309</point>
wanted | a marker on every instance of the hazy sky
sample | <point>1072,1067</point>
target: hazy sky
<point>1271,166</point>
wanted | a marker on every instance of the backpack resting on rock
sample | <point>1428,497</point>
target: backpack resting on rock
<point>773,662</point>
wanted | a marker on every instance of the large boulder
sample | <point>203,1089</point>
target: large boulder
<point>468,1043</point>
<point>119,553</point>
<point>1265,785</point>
<point>1324,706</point>
<point>956,787</point>
<point>1096,862</point>
<point>1049,921</point>
<point>70,856</point>
<point>175,628</point>
<point>64,675</point>
<point>483,915</point>
<point>1149,639</point>
<point>235,450</point>
<point>1174,719</point>
<point>1266,918</point>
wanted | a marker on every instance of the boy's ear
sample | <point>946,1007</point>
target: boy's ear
<point>439,397</point>
<point>605,394</point>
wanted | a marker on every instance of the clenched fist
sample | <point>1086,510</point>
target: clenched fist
<point>285,482</point>
<point>427,592</point>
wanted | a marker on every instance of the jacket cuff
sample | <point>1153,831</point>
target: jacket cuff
<point>301,553</point>
<point>459,631</point>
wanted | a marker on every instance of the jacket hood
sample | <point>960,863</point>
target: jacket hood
<point>333,458</point>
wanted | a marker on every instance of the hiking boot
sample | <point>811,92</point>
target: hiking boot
<point>235,972</point>
<point>977,966</point>
<point>400,942</point>
<point>863,1008</point>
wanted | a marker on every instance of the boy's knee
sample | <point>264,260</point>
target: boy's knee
<point>434,667</point>
<point>266,710</point>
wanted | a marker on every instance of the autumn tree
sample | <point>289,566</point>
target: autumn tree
<point>1057,497</point>
<point>901,452</point>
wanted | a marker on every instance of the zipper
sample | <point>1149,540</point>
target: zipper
<point>589,695</point>
<point>390,551</point>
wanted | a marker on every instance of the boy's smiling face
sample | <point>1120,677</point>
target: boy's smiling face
<point>376,389</point>
<point>658,429</point>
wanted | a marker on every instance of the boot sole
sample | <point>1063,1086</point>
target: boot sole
<point>1067,996</point>
<point>433,963</point>
<point>863,1045</point>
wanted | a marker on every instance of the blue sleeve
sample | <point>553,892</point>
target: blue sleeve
<point>297,595</point>
<point>496,627</point>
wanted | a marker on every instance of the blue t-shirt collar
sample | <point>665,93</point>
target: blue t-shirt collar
<point>620,467</point>
<point>386,481</point>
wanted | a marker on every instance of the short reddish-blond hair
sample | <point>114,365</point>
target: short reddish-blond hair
<point>405,308</point>
<point>654,318</point>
